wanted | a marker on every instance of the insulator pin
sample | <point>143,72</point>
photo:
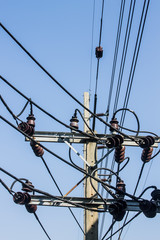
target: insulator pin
<point>119,154</point>
<point>29,126</point>
<point>25,188</point>
<point>74,122</point>
<point>38,150</point>
<point>21,198</point>
<point>146,142</point>
<point>99,52</point>
<point>121,189</point>
<point>114,123</point>
<point>114,141</point>
<point>146,154</point>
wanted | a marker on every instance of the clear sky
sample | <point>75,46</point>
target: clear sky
<point>59,35</point>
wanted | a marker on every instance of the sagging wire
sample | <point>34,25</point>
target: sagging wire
<point>67,126</point>
<point>63,160</point>
<point>100,119</point>
<point>131,111</point>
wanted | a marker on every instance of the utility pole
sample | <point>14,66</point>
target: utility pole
<point>90,154</point>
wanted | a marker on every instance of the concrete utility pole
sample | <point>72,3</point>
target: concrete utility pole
<point>90,154</point>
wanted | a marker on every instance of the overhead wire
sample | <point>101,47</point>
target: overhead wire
<point>67,126</point>
<point>135,56</point>
<point>93,18</point>
<point>116,50</point>
<point>97,72</point>
<point>122,7</point>
<point>124,52</point>
<point>63,160</point>
<point>64,89</point>
<point>53,179</point>
<point>37,218</point>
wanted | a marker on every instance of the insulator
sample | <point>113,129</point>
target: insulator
<point>118,209</point>
<point>21,198</point>
<point>121,186</point>
<point>119,154</point>
<point>26,128</point>
<point>149,208</point>
<point>99,52</point>
<point>146,154</point>
<point>146,142</point>
<point>38,150</point>
<point>31,208</point>
<point>114,123</point>
<point>25,188</point>
<point>74,122</point>
<point>31,120</point>
<point>156,194</point>
<point>114,141</point>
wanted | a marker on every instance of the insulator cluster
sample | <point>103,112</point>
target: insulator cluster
<point>99,52</point>
<point>118,209</point>
<point>38,150</point>
<point>24,199</point>
<point>119,154</point>
<point>21,198</point>
<point>29,126</point>
<point>114,141</point>
<point>146,142</point>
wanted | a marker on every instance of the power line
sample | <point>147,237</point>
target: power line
<point>41,225</point>
<point>135,57</point>
<point>97,72</point>
<point>67,126</point>
<point>120,21</point>
<point>124,52</point>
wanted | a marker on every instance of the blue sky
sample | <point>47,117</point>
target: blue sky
<point>58,34</point>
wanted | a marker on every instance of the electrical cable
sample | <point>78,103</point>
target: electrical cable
<point>100,119</point>
<point>124,225</point>
<point>6,187</point>
<point>97,73</point>
<point>116,52</point>
<point>131,111</point>
<point>51,175</point>
<point>124,52</point>
<point>135,57</point>
<point>93,17</point>
<point>63,160</point>
<point>23,109</point>
<point>67,126</point>
<point>41,226</point>
<point>146,190</point>
<point>109,229</point>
